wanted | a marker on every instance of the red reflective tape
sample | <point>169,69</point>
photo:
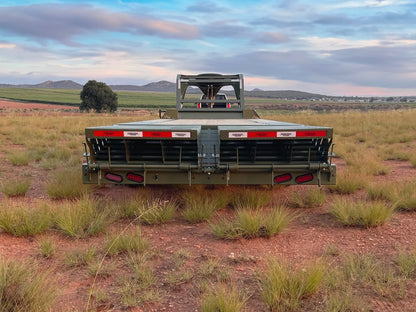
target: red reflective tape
<point>262,134</point>
<point>311,133</point>
<point>157,134</point>
<point>108,133</point>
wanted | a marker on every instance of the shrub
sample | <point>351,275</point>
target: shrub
<point>23,288</point>
<point>283,288</point>
<point>361,213</point>
<point>98,96</point>
<point>19,219</point>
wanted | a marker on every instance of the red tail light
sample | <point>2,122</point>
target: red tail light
<point>135,177</point>
<point>228,105</point>
<point>114,177</point>
<point>304,178</point>
<point>283,178</point>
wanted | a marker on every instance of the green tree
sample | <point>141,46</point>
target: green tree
<point>99,97</point>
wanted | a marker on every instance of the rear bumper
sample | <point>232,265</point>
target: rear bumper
<point>291,174</point>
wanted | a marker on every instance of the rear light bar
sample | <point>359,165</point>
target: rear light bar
<point>142,134</point>
<point>277,134</point>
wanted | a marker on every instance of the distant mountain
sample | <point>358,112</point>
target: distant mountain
<point>161,86</point>
<point>62,84</point>
<point>166,86</point>
<point>283,94</point>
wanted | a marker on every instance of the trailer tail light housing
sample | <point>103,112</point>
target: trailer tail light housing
<point>113,177</point>
<point>135,177</point>
<point>282,178</point>
<point>304,178</point>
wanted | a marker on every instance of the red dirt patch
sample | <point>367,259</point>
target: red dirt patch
<point>15,105</point>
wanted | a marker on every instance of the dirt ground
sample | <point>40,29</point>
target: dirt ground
<point>306,240</point>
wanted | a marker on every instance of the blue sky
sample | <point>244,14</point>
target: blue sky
<point>352,47</point>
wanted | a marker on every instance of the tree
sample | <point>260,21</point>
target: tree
<point>99,97</point>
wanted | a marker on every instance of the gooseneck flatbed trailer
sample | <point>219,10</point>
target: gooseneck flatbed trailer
<point>209,138</point>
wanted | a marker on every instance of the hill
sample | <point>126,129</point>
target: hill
<point>61,84</point>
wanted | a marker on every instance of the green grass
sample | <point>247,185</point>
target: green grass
<point>47,247</point>
<point>80,257</point>
<point>20,219</point>
<point>66,183</point>
<point>200,207</point>
<point>282,288</point>
<point>368,270</point>
<point>222,298</point>
<point>246,197</point>
<point>361,213</point>
<point>312,197</point>
<point>139,286</point>
<point>82,217</point>
<point>125,243</point>
<point>15,187</point>
<point>406,262</point>
<point>252,223</point>
<point>72,97</point>
<point>24,288</point>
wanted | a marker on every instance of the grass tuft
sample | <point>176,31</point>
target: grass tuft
<point>23,288</point>
<point>361,213</point>
<point>47,247</point>
<point>282,288</point>
<point>15,187</point>
<point>223,298</point>
<point>66,183</point>
<point>81,218</point>
<point>126,242</point>
<point>246,197</point>
<point>19,219</point>
<point>252,223</point>
<point>312,197</point>
<point>200,207</point>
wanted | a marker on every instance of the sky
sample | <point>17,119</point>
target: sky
<point>341,48</point>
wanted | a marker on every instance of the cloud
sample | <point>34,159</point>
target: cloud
<point>272,38</point>
<point>377,66</point>
<point>63,22</point>
<point>206,7</point>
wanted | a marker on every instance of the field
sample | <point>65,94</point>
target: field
<point>68,247</point>
<point>155,100</point>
